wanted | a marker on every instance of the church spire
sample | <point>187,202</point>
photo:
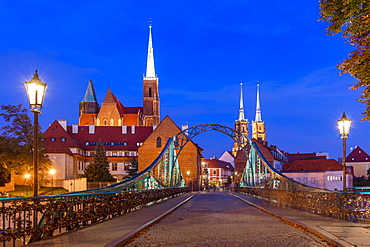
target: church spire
<point>90,95</point>
<point>258,107</point>
<point>241,108</point>
<point>150,71</point>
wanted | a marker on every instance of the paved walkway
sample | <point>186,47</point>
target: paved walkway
<point>218,220</point>
<point>336,232</point>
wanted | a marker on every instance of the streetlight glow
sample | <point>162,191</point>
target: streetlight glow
<point>344,125</point>
<point>35,91</point>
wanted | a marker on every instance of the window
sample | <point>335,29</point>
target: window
<point>114,153</point>
<point>312,180</point>
<point>150,92</point>
<point>63,139</point>
<point>214,172</point>
<point>52,139</point>
<point>159,142</point>
<point>305,180</point>
<point>114,166</point>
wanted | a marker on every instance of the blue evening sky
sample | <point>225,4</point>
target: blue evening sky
<point>202,50</point>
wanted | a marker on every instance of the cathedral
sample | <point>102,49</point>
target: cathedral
<point>242,124</point>
<point>113,113</point>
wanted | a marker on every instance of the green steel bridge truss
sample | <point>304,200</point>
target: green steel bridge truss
<point>165,170</point>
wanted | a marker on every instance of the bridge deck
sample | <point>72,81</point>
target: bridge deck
<point>205,208</point>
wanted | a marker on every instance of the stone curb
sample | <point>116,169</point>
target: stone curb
<point>122,240</point>
<point>328,237</point>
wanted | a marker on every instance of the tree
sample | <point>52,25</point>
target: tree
<point>98,170</point>
<point>132,168</point>
<point>16,141</point>
<point>352,19</point>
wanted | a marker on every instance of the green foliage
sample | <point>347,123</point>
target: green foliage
<point>16,141</point>
<point>132,169</point>
<point>351,18</point>
<point>98,170</point>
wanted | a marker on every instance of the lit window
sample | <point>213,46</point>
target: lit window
<point>114,153</point>
<point>52,139</point>
<point>63,139</point>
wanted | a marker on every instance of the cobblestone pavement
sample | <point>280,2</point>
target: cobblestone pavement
<point>218,219</point>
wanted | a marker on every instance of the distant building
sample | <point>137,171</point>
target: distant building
<point>272,154</point>
<point>122,129</point>
<point>71,148</point>
<point>241,125</point>
<point>114,113</point>
<point>306,156</point>
<point>258,126</point>
<point>227,156</point>
<point>319,173</point>
<point>360,161</point>
<point>219,171</point>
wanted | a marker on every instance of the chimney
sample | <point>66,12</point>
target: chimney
<point>74,128</point>
<point>63,123</point>
<point>133,129</point>
<point>124,129</point>
<point>91,129</point>
<point>184,127</point>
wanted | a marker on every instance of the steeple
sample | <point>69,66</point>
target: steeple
<point>150,71</point>
<point>90,95</point>
<point>241,108</point>
<point>151,102</point>
<point>89,106</point>
<point>241,125</point>
<point>258,107</point>
<point>258,126</point>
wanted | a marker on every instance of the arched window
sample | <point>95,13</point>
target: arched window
<point>159,142</point>
<point>150,92</point>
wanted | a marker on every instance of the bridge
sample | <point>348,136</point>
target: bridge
<point>28,220</point>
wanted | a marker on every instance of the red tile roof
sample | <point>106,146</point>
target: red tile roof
<point>301,156</point>
<point>111,135</point>
<point>358,155</point>
<point>216,163</point>
<point>313,165</point>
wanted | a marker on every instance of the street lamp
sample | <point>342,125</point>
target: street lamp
<point>27,176</point>
<point>344,125</point>
<point>188,173</point>
<point>35,91</point>
<point>52,172</point>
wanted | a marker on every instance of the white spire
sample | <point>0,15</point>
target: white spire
<point>241,108</point>
<point>150,71</point>
<point>258,107</point>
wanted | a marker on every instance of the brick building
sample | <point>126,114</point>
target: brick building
<point>189,158</point>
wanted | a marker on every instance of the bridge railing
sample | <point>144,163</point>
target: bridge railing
<point>24,220</point>
<point>346,206</point>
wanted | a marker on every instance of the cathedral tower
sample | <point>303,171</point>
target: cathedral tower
<point>258,126</point>
<point>151,102</point>
<point>241,124</point>
<point>89,106</point>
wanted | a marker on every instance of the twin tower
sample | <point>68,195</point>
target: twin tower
<point>241,125</point>
<point>113,113</point>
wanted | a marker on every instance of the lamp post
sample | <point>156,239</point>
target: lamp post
<point>27,176</point>
<point>35,91</point>
<point>52,172</point>
<point>188,173</point>
<point>344,125</point>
